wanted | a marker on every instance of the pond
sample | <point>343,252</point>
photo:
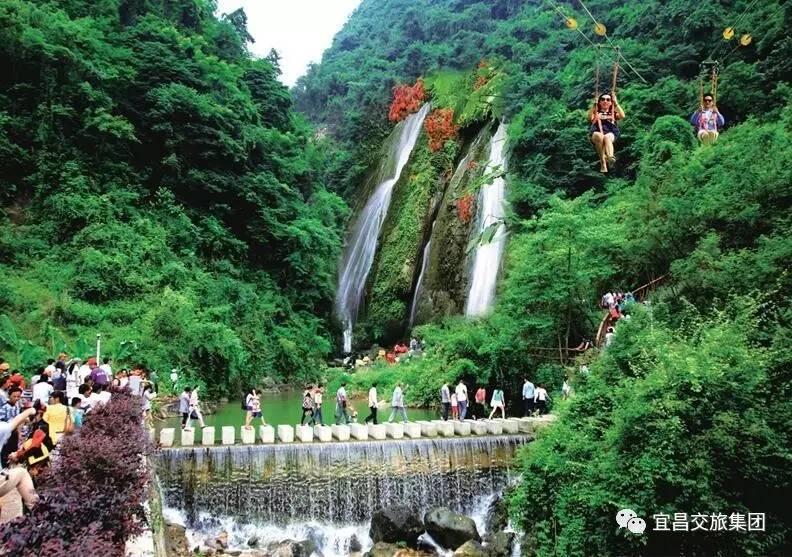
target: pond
<point>286,408</point>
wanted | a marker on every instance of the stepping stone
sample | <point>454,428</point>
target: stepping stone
<point>523,426</point>
<point>342,432</point>
<point>428,429</point>
<point>395,431</point>
<point>507,425</point>
<point>461,428</point>
<point>248,436</point>
<point>477,427</point>
<point>207,436</point>
<point>323,433</point>
<point>166,436</point>
<point>377,431</point>
<point>412,430</point>
<point>285,433</point>
<point>228,434</point>
<point>304,433</point>
<point>267,433</point>
<point>187,437</point>
<point>493,427</point>
<point>358,431</point>
<point>444,428</point>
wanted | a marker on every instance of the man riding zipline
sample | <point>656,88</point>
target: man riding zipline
<point>707,120</point>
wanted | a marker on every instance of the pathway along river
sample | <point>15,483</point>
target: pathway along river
<point>328,492</point>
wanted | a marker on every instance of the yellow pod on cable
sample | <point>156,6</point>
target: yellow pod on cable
<point>571,23</point>
<point>728,33</point>
<point>600,29</point>
<point>746,39</point>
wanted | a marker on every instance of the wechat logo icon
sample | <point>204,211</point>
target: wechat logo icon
<point>626,518</point>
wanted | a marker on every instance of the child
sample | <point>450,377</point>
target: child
<point>454,407</point>
<point>76,412</point>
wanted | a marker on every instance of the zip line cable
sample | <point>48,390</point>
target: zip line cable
<point>732,26</point>
<point>619,55</point>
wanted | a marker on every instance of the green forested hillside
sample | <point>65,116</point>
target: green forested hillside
<point>157,187</point>
<point>689,410</point>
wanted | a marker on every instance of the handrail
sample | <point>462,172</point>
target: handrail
<point>607,321</point>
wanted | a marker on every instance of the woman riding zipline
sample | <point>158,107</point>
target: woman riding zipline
<point>707,120</point>
<point>604,131</point>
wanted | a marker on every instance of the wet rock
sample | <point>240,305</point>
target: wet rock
<point>222,540</point>
<point>253,541</point>
<point>499,544</point>
<point>292,548</point>
<point>354,544</point>
<point>382,549</point>
<point>176,540</point>
<point>497,515</point>
<point>397,523</point>
<point>450,529</point>
<point>471,549</point>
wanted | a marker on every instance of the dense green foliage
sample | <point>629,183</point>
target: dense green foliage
<point>156,187</point>
<point>693,396</point>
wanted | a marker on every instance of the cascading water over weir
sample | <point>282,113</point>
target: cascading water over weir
<point>362,240</point>
<point>329,492</point>
<point>491,210</point>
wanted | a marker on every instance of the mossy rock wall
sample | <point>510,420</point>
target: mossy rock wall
<point>404,232</point>
<point>445,283</point>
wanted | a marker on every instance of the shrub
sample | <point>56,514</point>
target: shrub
<point>91,498</point>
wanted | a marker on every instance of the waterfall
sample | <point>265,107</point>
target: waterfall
<point>419,283</point>
<point>487,258</point>
<point>362,241</point>
<point>328,491</point>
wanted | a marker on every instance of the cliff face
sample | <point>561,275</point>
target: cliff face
<point>426,194</point>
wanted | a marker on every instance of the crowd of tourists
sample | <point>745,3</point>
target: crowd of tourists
<point>400,352</point>
<point>36,414</point>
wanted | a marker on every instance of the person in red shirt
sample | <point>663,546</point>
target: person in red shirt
<point>479,411</point>
<point>16,380</point>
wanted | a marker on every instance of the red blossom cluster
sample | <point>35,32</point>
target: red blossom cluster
<point>465,207</point>
<point>440,127</point>
<point>471,165</point>
<point>407,99</point>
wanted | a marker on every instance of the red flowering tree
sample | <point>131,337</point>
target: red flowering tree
<point>440,127</point>
<point>407,99</point>
<point>465,207</point>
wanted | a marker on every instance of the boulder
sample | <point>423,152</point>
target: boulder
<point>450,529</point>
<point>397,523</point>
<point>354,544</point>
<point>382,549</point>
<point>499,544</point>
<point>292,548</point>
<point>471,548</point>
<point>253,541</point>
<point>176,540</point>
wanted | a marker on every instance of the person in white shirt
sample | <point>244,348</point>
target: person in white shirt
<point>397,403</point>
<point>609,336</point>
<point>445,400</point>
<point>42,390</point>
<point>566,389</point>
<point>106,367</point>
<point>540,399</point>
<point>195,408</point>
<point>148,396</point>
<point>462,399</point>
<point>82,373</point>
<point>341,405</point>
<point>372,403</point>
<point>317,399</point>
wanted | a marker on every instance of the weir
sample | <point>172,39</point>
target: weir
<point>338,483</point>
<point>362,240</point>
<point>491,209</point>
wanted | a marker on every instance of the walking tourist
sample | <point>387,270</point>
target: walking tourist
<point>454,406</point>
<point>397,403</point>
<point>462,399</point>
<point>57,416</point>
<point>528,397</point>
<point>498,403</point>
<point>246,407</point>
<point>566,389</point>
<point>540,399</point>
<point>307,405</point>
<point>480,410</point>
<point>341,405</point>
<point>372,403</point>
<point>195,408</point>
<point>77,411</point>
<point>317,405</point>
<point>445,400</point>
<point>9,410</point>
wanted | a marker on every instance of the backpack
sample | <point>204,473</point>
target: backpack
<point>307,403</point>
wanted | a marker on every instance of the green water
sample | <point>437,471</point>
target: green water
<point>286,408</point>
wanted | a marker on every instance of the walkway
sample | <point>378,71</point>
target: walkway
<point>351,433</point>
